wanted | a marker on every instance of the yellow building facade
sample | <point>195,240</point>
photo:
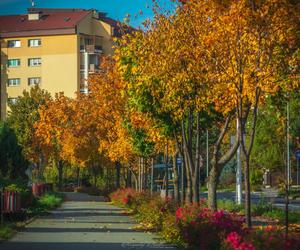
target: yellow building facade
<point>56,49</point>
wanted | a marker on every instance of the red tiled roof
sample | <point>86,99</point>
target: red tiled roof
<point>49,20</point>
<point>119,28</point>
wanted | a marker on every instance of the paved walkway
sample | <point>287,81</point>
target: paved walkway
<point>86,223</point>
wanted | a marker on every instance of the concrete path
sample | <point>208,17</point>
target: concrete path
<point>86,223</point>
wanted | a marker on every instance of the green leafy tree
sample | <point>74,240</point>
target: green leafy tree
<point>21,118</point>
<point>12,162</point>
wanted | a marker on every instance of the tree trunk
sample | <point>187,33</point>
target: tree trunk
<point>187,161</point>
<point>195,185</point>
<point>95,178</point>
<point>135,178</point>
<point>118,167</point>
<point>179,149</point>
<point>247,151</point>
<point>217,164</point>
<point>152,176</point>
<point>60,175</point>
<point>143,174</point>
<point>212,187</point>
<point>140,175</point>
<point>196,169</point>
<point>175,171</point>
<point>167,172</point>
<point>78,176</point>
<point>128,179</point>
<point>188,193</point>
<point>247,192</point>
<point>183,182</point>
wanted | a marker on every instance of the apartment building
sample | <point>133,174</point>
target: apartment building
<point>56,49</point>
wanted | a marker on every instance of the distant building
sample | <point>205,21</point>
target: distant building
<point>56,49</point>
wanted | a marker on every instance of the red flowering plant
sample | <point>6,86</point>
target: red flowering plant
<point>236,241</point>
<point>261,239</point>
<point>273,237</point>
<point>123,197</point>
<point>204,229</point>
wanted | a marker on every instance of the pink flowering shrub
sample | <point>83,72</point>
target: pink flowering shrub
<point>123,197</point>
<point>267,238</point>
<point>202,228</point>
<point>196,227</point>
<point>236,242</point>
<point>274,238</point>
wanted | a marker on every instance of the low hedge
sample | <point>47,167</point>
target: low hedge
<point>195,226</point>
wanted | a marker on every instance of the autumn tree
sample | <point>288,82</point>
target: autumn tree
<point>50,130</point>
<point>165,67</point>
<point>107,105</point>
<point>252,53</point>
<point>21,118</point>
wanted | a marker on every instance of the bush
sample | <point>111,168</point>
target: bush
<point>279,214</point>
<point>123,197</point>
<point>267,238</point>
<point>229,206</point>
<point>196,221</point>
<point>6,231</point>
<point>153,213</point>
<point>45,203</point>
<point>260,209</point>
<point>50,200</point>
<point>195,226</point>
<point>170,230</point>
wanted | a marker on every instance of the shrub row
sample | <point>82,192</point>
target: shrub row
<point>195,226</point>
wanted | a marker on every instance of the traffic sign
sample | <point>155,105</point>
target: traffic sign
<point>298,155</point>
<point>179,160</point>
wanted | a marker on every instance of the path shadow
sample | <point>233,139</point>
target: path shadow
<point>82,246</point>
<point>78,230</point>
<point>89,209</point>
<point>58,214</point>
<point>103,222</point>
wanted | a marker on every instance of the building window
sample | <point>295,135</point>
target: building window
<point>34,42</point>
<point>14,44</point>
<point>34,62</point>
<point>14,82</point>
<point>84,91</point>
<point>13,63</point>
<point>32,81</point>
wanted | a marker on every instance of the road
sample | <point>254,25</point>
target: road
<point>83,222</point>
<point>258,197</point>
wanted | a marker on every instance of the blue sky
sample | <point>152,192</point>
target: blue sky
<point>116,9</point>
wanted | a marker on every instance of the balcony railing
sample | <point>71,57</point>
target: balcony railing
<point>94,69</point>
<point>92,49</point>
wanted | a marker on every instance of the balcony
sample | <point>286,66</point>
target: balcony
<point>94,69</point>
<point>91,49</point>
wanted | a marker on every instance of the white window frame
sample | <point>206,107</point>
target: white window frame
<point>13,43</point>
<point>34,42</point>
<point>36,62</point>
<point>14,82</point>
<point>13,66</point>
<point>33,81</point>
